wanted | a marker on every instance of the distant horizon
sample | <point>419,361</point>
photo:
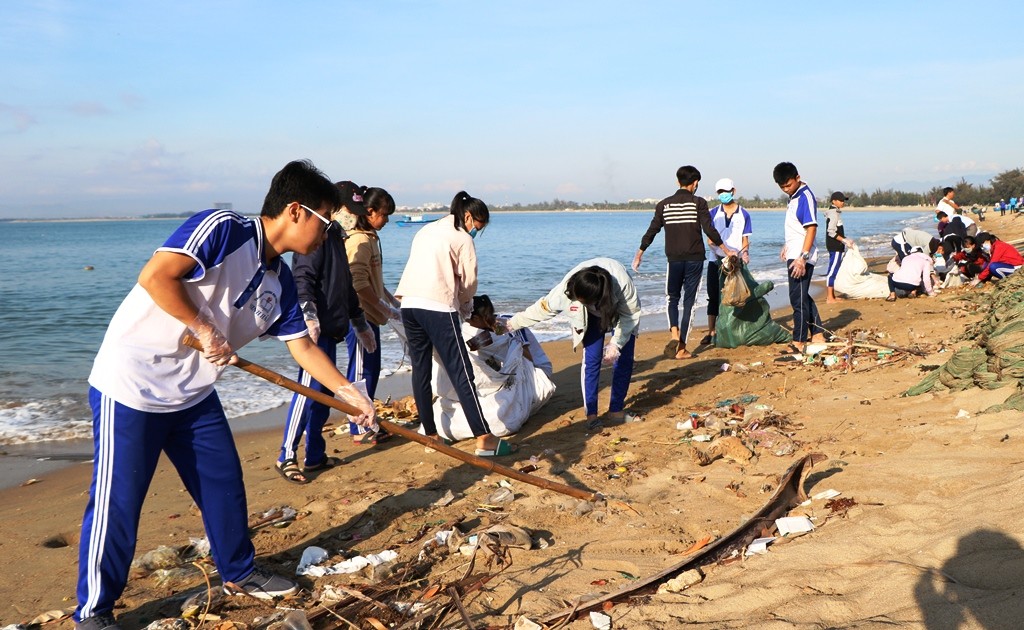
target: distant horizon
<point>499,209</point>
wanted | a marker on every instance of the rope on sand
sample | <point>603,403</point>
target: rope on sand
<point>997,358</point>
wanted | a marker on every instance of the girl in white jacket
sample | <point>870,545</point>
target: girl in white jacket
<point>599,297</point>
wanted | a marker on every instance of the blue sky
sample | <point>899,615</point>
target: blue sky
<point>119,108</point>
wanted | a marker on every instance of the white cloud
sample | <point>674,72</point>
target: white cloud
<point>89,109</point>
<point>19,119</point>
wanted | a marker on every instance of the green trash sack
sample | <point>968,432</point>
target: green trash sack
<point>752,323</point>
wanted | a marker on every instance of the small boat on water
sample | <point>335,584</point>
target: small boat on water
<point>417,219</point>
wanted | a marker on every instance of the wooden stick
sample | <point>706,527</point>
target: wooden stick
<point>390,427</point>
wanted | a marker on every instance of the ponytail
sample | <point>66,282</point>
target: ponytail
<point>463,203</point>
<point>593,287</point>
<point>374,199</point>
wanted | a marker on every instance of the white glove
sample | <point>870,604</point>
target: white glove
<point>366,339</point>
<point>350,394</point>
<point>611,354</point>
<point>216,348</point>
<point>313,325</point>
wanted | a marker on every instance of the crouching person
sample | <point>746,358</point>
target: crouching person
<point>913,277</point>
<point>1003,259</point>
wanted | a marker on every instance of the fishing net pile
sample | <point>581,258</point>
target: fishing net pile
<point>996,359</point>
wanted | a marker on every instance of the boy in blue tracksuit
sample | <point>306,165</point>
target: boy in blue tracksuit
<point>800,227</point>
<point>220,277</point>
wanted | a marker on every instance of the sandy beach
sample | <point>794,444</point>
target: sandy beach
<point>926,534</point>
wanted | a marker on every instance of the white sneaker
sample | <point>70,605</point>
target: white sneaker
<point>263,585</point>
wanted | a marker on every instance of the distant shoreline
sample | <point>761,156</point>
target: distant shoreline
<point>496,210</point>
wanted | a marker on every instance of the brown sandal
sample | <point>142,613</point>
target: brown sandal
<point>289,471</point>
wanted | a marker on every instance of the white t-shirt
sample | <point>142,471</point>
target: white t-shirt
<point>801,214</point>
<point>142,363</point>
<point>732,229</point>
<point>945,206</point>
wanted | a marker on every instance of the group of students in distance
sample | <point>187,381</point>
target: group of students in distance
<point>961,252</point>
<point>220,277</point>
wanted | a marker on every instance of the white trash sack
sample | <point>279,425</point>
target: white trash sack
<point>854,281</point>
<point>510,386</point>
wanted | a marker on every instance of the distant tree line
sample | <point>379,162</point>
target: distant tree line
<point>1003,186</point>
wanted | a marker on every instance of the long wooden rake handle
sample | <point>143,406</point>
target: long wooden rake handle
<point>331,401</point>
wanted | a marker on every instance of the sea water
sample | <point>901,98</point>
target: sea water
<point>60,282</point>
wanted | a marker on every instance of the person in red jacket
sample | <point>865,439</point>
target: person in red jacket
<point>1004,259</point>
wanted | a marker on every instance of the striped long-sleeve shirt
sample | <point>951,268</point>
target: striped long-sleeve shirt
<point>684,216</point>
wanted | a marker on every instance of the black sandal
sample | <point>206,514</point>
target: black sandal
<point>328,463</point>
<point>289,471</point>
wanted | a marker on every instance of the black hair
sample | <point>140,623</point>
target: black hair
<point>933,246</point>
<point>374,199</point>
<point>947,190</point>
<point>984,237</point>
<point>784,171</point>
<point>686,175</point>
<point>941,215</point>
<point>302,182</point>
<point>593,286</point>
<point>463,203</point>
<point>482,307</point>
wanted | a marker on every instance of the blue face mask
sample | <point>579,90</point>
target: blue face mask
<point>725,197</point>
<point>473,233</point>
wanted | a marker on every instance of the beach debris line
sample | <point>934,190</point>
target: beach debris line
<point>789,495</point>
<point>737,431</point>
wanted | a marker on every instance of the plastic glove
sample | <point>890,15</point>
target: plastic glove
<point>216,348</point>
<point>350,394</point>
<point>313,325</point>
<point>639,258</point>
<point>611,354</point>
<point>745,256</point>
<point>391,311</point>
<point>366,338</point>
<point>312,321</point>
<point>501,326</point>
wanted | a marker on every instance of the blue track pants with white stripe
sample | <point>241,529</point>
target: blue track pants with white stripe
<point>363,366</point>
<point>127,446</point>
<point>306,417</point>
<point>590,371</point>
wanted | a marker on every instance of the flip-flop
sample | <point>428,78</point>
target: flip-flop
<point>289,471</point>
<point>445,441</point>
<point>327,464</point>
<point>371,438</point>
<point>502,449</point>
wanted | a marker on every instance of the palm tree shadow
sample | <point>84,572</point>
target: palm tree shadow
<point>980,586</point>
